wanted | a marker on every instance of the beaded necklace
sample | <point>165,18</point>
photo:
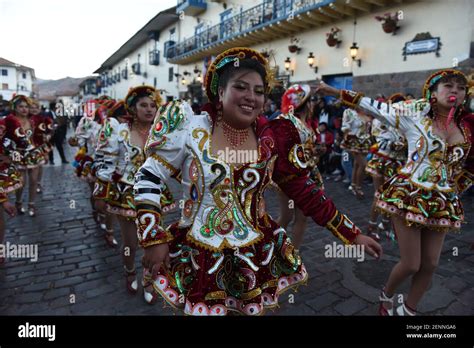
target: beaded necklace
<point>236,137</point>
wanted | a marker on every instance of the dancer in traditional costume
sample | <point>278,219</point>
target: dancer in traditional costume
<point>10,179</point>
<point>18,124</point>
<point>42,136</point>
<point>86,138</point>
<point>357,140</point>
<point>226,253</point>
<point>119,155</point>
<point>297,109</point>
<point>423,197</point>
<point>389,153</point>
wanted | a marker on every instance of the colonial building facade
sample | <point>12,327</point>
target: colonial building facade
<point>140,61</point>
<point>15,79</point>
<point>375,46</point>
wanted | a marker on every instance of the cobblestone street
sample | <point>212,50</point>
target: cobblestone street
<point>75,260</point>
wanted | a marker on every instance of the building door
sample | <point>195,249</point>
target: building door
<point>339,82</point>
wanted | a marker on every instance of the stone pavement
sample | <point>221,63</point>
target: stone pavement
<point>76,273</point>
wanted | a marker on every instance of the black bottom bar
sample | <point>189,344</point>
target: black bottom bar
<point>133,330</point>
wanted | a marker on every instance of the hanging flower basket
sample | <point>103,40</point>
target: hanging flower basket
<point>332,38</point>
<point>389,23</point>
<point>293,47</point>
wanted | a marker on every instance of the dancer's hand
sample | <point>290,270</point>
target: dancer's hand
<point>371,246</point>
<point>155,257</point>
<point>327,90</point>
<point>9,208</point>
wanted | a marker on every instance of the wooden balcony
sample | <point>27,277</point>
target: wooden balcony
<point>268,21</point>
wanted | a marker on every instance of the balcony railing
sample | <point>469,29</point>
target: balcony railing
<point>246,21</point>
<point>154,57</point>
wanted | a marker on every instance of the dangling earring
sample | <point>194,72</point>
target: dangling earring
<point>434,107</point>
<point>219,111</point>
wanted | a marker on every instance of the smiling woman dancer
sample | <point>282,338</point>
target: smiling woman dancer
<point>423,197</point>
<point>119,155</point>
<point>226,253</point>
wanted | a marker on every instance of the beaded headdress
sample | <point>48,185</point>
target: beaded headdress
<point>17,100</point>
<point>234,55</point>
<point>434,78</point>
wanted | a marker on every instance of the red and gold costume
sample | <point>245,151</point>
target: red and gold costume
<point>292,99</point>
<point>42,134</point>
<point>227,254</point>
<point>31,146</point>
<point>10,178</point>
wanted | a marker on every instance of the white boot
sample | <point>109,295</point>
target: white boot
<point>402,310</point>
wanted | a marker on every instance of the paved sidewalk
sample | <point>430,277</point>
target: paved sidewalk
<point>76,273</point>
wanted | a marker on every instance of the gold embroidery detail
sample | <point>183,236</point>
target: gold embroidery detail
<point>216,295</point>
<point>164,163</point>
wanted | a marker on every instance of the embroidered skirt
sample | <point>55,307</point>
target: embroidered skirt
<point>382,166</point>
<point>420,207</point>
<point>355,144</point>
<point>245,280</point>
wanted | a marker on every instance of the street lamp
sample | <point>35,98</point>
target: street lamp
<point>311,61</point>
<point>354,50</point>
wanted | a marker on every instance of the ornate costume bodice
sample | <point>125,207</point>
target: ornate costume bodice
<point>223,205</point>
<point>131,156</point>
<point>307,137</point>
<point>222,202</point>
<point>87,133</point>
<point>432,164</point>
<point>390,142</point>
<point>120,156</point>
<point>355,126</point>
